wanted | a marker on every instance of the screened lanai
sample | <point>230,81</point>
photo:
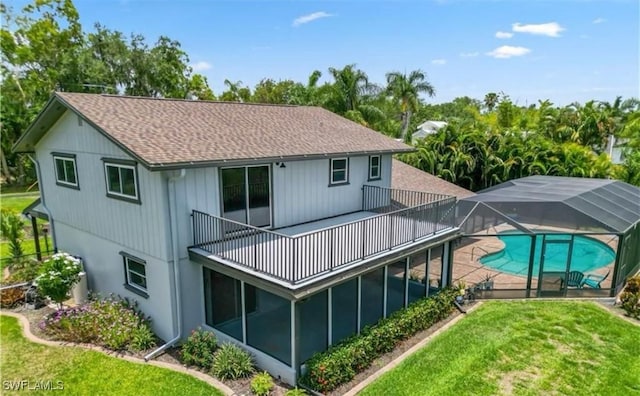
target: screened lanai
<point>546,236</point>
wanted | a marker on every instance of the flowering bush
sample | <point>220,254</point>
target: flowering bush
<point>114,323</point>
<point>57,275</point>
<point>199,348</point>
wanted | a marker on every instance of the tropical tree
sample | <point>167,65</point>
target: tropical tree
<point>350,84</point>
<point>406,90</point>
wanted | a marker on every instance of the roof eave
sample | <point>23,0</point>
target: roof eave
<point>282,158</point>
<point>38,127</point>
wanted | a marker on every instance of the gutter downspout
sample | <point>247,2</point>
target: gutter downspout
<point>43,202</point>
<point>173,214</point>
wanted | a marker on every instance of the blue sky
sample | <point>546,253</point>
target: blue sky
<point>563,50</point>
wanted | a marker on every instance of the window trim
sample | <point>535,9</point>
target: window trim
<point>379,167</point>
<point>120,164</point>
<point>65,157</point>
<point>128,283</point>
<point>332,171</point>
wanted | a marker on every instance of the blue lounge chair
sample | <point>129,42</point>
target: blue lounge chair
<point>575,279</point>
<point>594,280</point>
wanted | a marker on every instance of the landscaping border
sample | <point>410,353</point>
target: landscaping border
<point>26,329</point>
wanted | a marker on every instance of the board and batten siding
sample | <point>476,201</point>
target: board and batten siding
<point>143,227</point>
<point>199,190</point>
<point>301,190</point>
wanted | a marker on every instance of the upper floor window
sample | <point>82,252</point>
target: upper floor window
<point>122,180</point>
<point>339,170</point>
<point>66,171</point>
<point>374,167</point>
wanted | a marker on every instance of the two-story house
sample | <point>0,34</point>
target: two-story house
<point>275,227</point>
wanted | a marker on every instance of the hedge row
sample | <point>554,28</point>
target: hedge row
<point>338,365</point>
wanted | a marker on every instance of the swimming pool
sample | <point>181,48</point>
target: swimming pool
<point>588,254</point>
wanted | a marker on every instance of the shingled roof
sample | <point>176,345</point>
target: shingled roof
<point>167,132</point>
<point>406,177</point>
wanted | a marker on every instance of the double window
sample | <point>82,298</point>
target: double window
<point>339,171</point>
<point>66,170</point>
<point>135,272</point>
<point>374,167</point>
<point>122,180</point>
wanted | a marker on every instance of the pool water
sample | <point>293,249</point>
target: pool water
<point>588,254</point>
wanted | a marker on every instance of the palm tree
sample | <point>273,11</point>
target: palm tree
<point>405,89</point>
<point>491,100</point>
<point>350,84</point>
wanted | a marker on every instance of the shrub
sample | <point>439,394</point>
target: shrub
<point>114,323</point>
<point>23,270</point>
<point>261,384</point>
<point>295,392</point>
<point>57,275</point>
<point>12,229</point>
<point>142,338</point>
<point>231,362</point>
<point>630,297</point>
<point>329,369</point>
<point>199,348</point>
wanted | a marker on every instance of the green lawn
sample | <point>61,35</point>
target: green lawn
<point>28,247</point>
<point>17,202</point>
<point>524,348</point>
<point>84,372</point>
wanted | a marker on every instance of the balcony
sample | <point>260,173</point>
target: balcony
<point>390,220</point>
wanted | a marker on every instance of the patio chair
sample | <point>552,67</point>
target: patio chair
<point>594,280</point>
<point>575,279</point>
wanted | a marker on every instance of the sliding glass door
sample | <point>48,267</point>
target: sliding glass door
<point>246,195</point>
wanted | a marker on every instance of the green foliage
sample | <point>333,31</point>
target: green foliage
<point>329,369</point>
<point>23,270</point>
<point>231,362</point>
<point>295,392</point>
<point>114,323</point>
<point>86,372</point>
<point>199,348</point>
<point>630,297</point>
<point>261,384</point>
<point>57,275</point>
<point>12,229</point>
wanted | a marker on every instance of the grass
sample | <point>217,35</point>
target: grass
<point>28,247</point>
<point>524,348</point>
<point>84,372</point>
<point>16,203</point>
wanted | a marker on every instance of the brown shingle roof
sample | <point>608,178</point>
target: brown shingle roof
<point>406,177</point>
<point>166,131</point>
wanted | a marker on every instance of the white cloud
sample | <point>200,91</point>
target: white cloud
<point>507,51</point>
<point>301,20</point>
<point>504,35</point>
<point>201,66</point>
<point>438,61</point>
<point>551,29</point>
<point>599,20</point>
<point>469,54</point>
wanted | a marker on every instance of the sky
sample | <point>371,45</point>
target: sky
<point>562,50</point>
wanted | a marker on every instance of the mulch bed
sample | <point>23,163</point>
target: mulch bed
<point>243,386</point>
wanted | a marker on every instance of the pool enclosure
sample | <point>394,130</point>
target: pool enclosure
<point>546,236</point>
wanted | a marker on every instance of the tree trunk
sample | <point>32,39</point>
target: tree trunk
<point>406,117</point>
<point>4,167</point>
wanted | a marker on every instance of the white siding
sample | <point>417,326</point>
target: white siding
<point>142,227</point>
<point>105,274</point>
<point>301,190</point>
<point>197,190</point>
